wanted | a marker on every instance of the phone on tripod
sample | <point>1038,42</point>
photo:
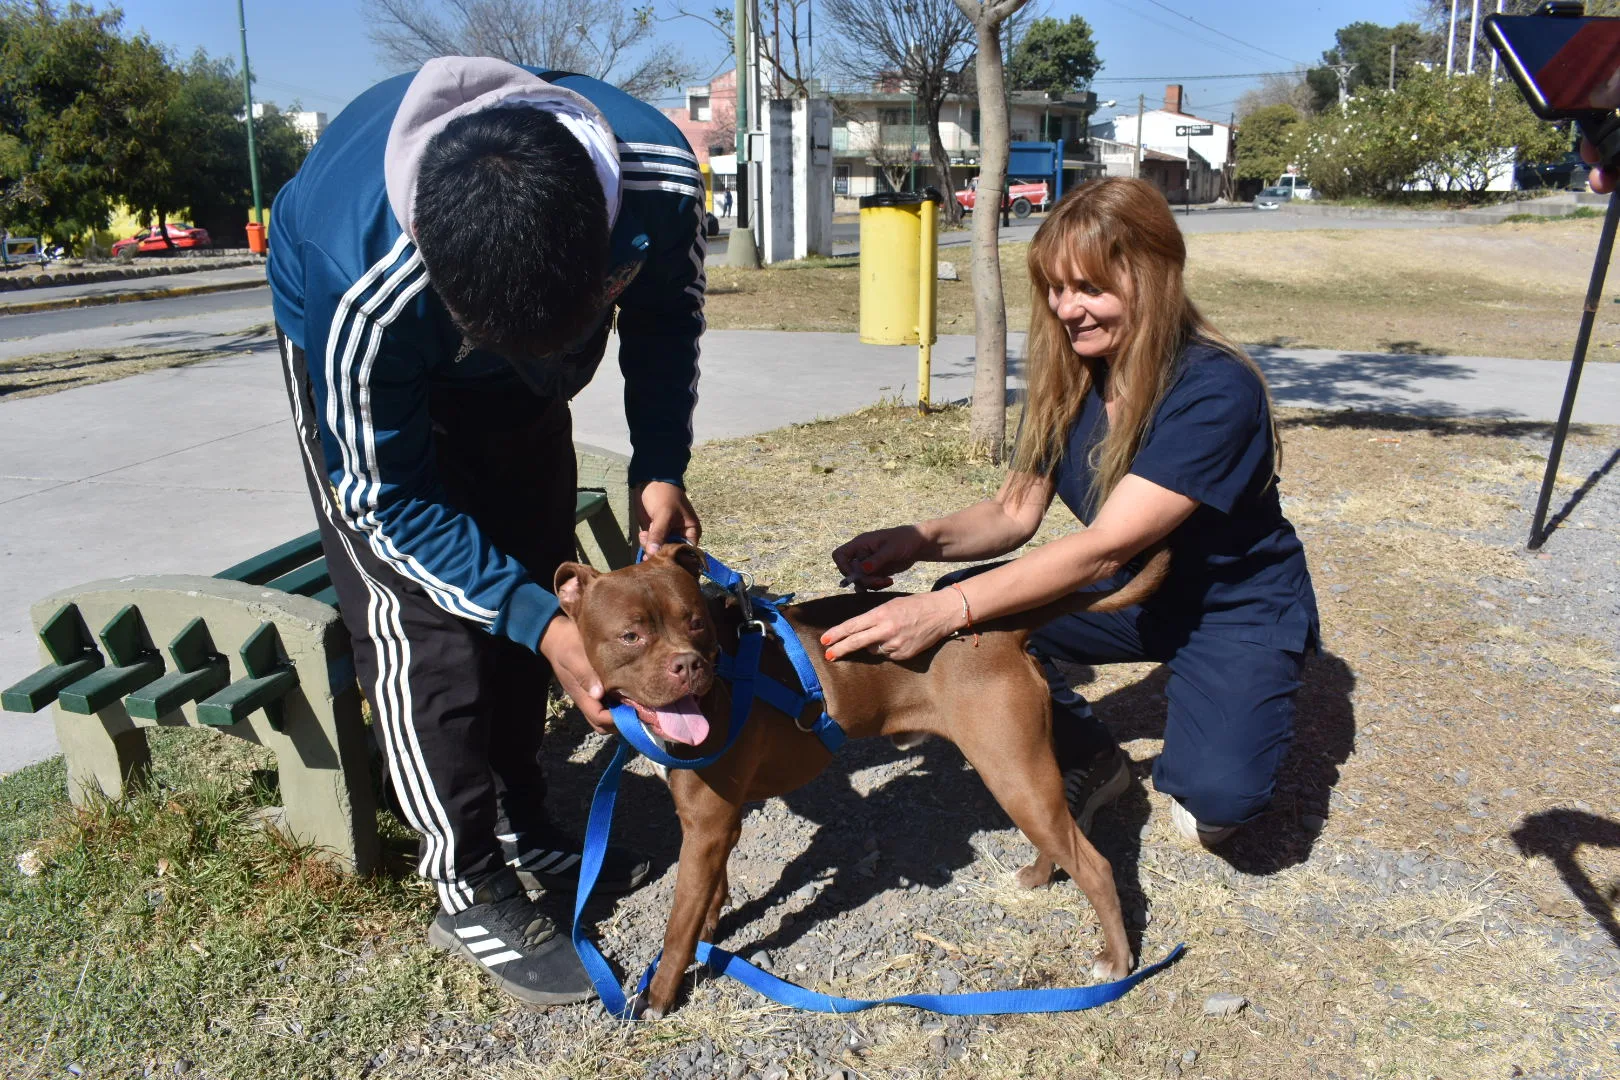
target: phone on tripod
<point>1567,66</point>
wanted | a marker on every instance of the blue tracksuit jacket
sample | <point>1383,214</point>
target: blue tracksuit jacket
<point>348,287</point>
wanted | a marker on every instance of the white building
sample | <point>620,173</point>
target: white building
<point>1159,126</point>
<point>310,125</point>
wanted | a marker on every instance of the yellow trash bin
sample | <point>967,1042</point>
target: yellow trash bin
<point>899,262</point>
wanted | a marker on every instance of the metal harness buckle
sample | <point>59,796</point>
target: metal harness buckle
<point>750,624</point>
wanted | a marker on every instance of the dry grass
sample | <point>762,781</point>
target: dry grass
<point>1498,290</point>
<point>1421,685</point>
<point>1432,727</point>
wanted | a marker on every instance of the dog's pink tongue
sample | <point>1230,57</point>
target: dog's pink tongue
<point>682,721</point>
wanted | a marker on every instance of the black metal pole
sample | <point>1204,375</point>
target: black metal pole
<point>1594,290</point>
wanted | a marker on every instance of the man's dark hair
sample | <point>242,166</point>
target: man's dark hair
<point>512,225</point>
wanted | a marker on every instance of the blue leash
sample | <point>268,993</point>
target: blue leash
<point>746,683</point>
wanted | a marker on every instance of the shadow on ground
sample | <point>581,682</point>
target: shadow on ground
<point>924,821</point>
<point>1558,835</point>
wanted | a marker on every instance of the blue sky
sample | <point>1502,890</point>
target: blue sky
<point>316,51</point>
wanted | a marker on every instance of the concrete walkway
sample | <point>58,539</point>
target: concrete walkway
<point>187,470</point>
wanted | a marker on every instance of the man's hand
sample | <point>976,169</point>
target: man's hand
<point>562,647</point>
<point>1601,179</point>
<point>899,629</point>
<point>663,511</point>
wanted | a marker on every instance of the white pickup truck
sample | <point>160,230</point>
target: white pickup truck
<point>1298,187</point>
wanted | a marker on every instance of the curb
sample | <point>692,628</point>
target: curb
<point>129,296</point>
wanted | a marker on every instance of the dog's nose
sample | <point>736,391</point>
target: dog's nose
<point>685,665</point>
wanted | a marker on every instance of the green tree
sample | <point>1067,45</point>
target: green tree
<point>1366,46</point>
<point>1058,57</point>
<point>1448,134</point>
<point>1268,142</point>
<point>72,102</point>
<point>1470,133</point>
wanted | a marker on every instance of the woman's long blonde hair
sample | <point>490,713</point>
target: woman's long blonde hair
<point>1119,235</point>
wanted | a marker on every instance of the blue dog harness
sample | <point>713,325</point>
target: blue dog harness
<point>747,682</point>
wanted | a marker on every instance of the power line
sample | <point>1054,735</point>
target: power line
<point>1224,34</point>
<point>1174,29</point>
<point>1189,78</point>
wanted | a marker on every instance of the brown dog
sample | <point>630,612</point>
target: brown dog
<point>654,638</point>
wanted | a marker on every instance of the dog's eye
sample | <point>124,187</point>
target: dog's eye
<point>697,624</point>
<point>630,637</point>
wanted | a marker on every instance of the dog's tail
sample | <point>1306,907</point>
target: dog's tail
<point>1139,588</point>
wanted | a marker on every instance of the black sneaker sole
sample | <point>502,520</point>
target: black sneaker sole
<point>443,939</point>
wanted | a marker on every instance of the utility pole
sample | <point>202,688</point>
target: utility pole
<point>1473,34</point>
<point>1451,38</point>
<point>740,247</point>
<point>247,98</point>
<point>1392,65</point>
<point>1141,106</point>
<point>1494,59</point>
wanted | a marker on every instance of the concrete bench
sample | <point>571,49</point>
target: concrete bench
<point>257,651</point>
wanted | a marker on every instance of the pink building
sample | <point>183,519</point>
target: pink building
<point>708,119</point>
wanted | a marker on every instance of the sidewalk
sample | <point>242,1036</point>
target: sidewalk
<point>187,470</point>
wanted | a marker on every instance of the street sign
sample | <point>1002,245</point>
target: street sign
<point>1185,130</point>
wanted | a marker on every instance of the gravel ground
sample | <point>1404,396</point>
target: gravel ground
<point>890,874</point>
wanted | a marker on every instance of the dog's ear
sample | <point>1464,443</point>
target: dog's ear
<point>569,585</point>
<point>683,555</point>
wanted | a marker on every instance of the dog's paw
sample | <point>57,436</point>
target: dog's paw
<point>641,1008</point>
<point>1036,874</point>
<point>1106,968</point>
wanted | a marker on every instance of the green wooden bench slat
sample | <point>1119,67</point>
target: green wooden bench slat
<point>307,580</point>
<point>243,697</point>
<point>268,565</point>
<point>101,688</point>
<point>587,503</point>
<point>40,689</point>
<point>327,595</point>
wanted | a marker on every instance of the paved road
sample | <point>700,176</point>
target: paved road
<point>19,327</point>
<point>187,470</point>
<point>229,275</point>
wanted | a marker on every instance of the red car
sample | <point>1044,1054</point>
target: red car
<point>150,241</point>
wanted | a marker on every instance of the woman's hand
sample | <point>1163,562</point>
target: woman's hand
<point>871,560</point>
<point>900,629</point>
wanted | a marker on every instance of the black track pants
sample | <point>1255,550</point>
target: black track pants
<point>458,712</point>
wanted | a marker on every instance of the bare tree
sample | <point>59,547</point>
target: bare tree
<point>987,428</point>
<point>925,43</point>
<point>608,39</point>
<point>1290,89</point>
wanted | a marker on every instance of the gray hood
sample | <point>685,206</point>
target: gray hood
<point>452,86</point>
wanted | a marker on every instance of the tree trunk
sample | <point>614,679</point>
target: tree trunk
<point>163,231</point>
<point>944,177</point>
<point>987,431</point>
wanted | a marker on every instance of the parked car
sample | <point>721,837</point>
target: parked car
<point>1569,173</point>
<point>150,241</point>
<point>1272,198</point>
<point>1022,197</point>
<point>1298,187</point>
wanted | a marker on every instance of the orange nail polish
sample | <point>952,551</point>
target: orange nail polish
<point>828,656</point>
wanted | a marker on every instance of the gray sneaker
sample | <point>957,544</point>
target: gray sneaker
<point>1091,785</point>
<point>515,945</point>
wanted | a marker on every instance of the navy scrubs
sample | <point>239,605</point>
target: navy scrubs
<point>1237,612</point>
